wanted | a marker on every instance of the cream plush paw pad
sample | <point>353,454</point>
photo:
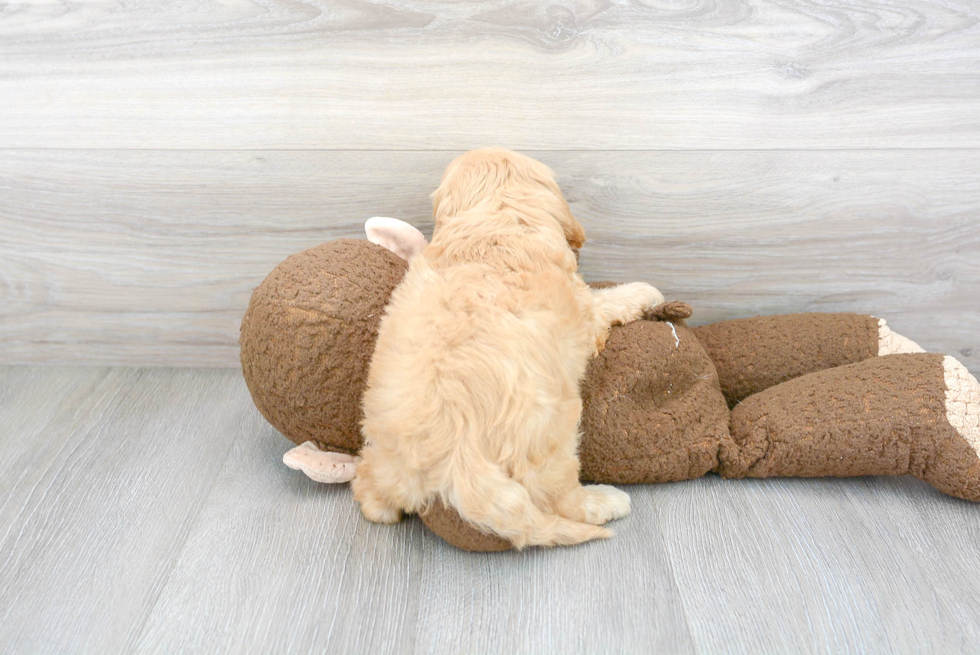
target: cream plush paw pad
<point>890,343</point>
<point>962,401</point>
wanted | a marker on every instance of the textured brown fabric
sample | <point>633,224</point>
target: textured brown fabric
<point>307,338</point>
<point>753,354</point>
<point>882,416</point>
<point>674,310</point>
<point>448,524</point>
<point>652,408</point>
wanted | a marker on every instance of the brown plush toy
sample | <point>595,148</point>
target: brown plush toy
<point>803,395</point>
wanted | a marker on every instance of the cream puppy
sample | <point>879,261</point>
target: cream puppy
<point>473,389</point>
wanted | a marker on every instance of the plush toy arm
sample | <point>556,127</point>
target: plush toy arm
<point>906,414</point>
<point>753,354</point>
<point>397,236</point>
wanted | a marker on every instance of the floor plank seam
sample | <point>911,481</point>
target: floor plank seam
<point>665,548</point>
<point>139,630</point>
<point>95,386</point>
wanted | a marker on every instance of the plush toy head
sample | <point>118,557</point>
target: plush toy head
<point>308,335</point>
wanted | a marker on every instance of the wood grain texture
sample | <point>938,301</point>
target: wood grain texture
<point>618,596</point>
<point>149,257</point>
<point>280,564</point>
<point>148,511</point>
<point>103,474</point>
<point>824,565</point>
<point>418,74</point>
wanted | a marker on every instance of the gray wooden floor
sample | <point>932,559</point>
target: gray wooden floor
<point>147,510</point>
<point>751,157</point>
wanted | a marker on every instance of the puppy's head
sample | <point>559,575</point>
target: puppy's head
<point>496,177</point>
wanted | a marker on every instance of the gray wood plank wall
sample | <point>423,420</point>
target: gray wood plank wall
<point>156,161</point>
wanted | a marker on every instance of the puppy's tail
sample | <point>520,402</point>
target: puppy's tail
<point>483,494</point>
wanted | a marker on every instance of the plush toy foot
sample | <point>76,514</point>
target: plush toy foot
<point>397,236</point>
<point>891,343</point>
<point>904,414</point>
<point>962,402</point>
<point>321,465</point>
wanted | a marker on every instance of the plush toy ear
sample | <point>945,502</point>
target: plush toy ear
<point>397,236</point>
<point>321,465</point>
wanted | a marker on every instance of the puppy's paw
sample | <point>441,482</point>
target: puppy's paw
<point>626,303</point>
<point>380,513</point>
<point>600,342</point>
<point>375,506</point>
<point>644,296</point>
<point>601,503</point>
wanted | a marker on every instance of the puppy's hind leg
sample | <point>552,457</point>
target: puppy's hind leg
<point>593,504</point>
<point>485,495</point>
<point>620,305</point>
<point>376,500</point>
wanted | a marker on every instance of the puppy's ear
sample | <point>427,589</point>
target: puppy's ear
<point>559,209</point>
<point>476,176</point>
<point>463,182</point>
<point>571,228</point>
<point>444,202</point>
<point>574,232</point>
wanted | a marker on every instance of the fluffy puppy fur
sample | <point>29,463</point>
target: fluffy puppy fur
<point>473,390</point>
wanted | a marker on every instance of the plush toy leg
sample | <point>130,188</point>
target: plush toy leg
<point>321,465</point>
<point>905,414</point>
<point>753,354</point>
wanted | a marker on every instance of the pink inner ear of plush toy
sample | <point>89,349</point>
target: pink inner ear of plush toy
<point>397,236</point>
<point>321,465</point>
